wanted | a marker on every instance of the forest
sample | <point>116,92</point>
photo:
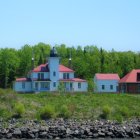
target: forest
<point>86,61</point>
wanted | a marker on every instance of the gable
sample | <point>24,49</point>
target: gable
<point>131,77</point>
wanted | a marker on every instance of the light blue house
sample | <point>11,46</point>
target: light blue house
<point>107,83</point>
<point>47,77</point>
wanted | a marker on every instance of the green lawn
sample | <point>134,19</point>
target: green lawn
<point>79,106</point>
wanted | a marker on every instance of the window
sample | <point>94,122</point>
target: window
<point>41,85</point>
<point>111,87</point>
<point>70,85</point>
<point>36,86</point>
<point>40,75</point>
<point>138,76</point>
<point>103,87</point>
<point>23,85</point>
<point>79,85</point>
<point>65,75</point>
<point>44,85</point>
<point>117,88</point>
<point>54,73</point>
<point>54,84</point>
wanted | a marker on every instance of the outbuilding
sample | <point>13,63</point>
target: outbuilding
<point>130,83</point>
<point>106,83</point>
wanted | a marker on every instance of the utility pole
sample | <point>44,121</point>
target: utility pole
<point>70,59</point>
<point>32,59</point>
<point>32,84</point>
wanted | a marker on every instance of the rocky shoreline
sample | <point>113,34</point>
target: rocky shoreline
<point>60,129</point>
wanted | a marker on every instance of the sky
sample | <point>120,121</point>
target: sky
<point>110,24</point>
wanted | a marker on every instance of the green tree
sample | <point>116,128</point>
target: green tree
<point>9,63</point>
<point>25,57</point>
<point>102,59</point>
<point>40,61</point>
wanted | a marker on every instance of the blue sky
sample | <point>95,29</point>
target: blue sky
<point>105,23</point>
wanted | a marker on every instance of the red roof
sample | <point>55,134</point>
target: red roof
<point>73,80</point>
<point>44,68</point>
<point>131,77</point>
<point>62,68</point>
<point>41,68</point>
<point>107,76</point>
<point>79,80</point>
<point>21,79</point>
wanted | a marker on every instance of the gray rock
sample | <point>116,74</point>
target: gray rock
<point>59,129</point>
<point>68,131</point>
<point>24,129</point>
<point>76,132</point>
<point>132,134</point>
<point>9,136</point>
<point>43,135</point>
<point>101,134</point>
<point>31,135</point>
<point>95,135</point>
<point>1,136</point>
<point>137,133</point>
<point>34,131</point>
<point>57,138</point>
<point>17,132</point>
<point>109,134</point>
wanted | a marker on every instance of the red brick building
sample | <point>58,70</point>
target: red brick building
<point>130,83</point>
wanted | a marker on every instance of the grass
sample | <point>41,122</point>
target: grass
<point>78,106</point>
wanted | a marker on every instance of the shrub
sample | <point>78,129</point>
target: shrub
<point>2,92</point>
<point>119,118</point>
<point>72,108</point>
<point>19,109</point>
<point>47,112</point>
<point>124,111</point>
<point>61,88</point>
<point>7,95</point>
<point>1,111</point>
<point>90,85</point>
<point>64,112</point>
<point>106,110</point>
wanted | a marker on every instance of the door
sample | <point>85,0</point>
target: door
<point>117,88</point>
<point>36,86</point>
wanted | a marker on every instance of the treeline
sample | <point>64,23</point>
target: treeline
<point>86,61</point>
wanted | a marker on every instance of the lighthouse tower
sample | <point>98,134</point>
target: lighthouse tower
<point>53,64</point>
